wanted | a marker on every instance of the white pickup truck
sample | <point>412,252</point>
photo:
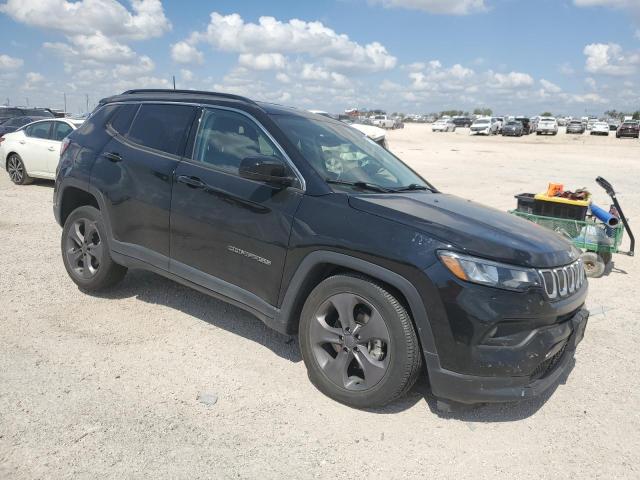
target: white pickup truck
<point>383,121</point>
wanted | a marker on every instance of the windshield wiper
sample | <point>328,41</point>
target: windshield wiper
<point>363,185</point>
<point>413,186</point>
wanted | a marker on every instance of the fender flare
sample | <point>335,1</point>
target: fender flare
<point>319,257</point>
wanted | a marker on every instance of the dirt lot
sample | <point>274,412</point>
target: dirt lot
<point>108,386</point>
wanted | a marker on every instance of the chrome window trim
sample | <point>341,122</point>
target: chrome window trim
<point>189,156</point>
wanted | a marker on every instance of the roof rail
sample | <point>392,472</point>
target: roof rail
<point>194,92</point>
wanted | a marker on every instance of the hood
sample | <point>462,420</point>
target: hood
<point>472,228</point>
<point>374,133</point>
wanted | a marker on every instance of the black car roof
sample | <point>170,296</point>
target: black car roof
<point>199,96</point>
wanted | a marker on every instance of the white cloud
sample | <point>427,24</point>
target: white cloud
<point>186,75</point>
<point>262,61</point>
<point>33,80</point>
<point>183,52</point>
<point>610,59</point>
<point>146,20</point>
<point>230,33</point>
<point>8,63</point>
<point>608,3</point>
<point>446,7</point>
<point>510,80</point>
<point>550,87</point>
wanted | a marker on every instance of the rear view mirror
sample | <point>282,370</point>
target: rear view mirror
<point>266,169</point>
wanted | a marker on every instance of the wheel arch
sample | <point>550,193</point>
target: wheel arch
<point>321,264</point>
<point>73,198</point>
<point>6,160</point>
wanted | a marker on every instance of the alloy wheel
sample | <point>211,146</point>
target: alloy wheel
<point>350,342</point>
<point>15,168</point>
<point>84,248</point>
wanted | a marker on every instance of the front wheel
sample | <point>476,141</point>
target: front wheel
<point>358,342</point>
<point>85,252</point>
<point>594,264</point>
<point>17,171</point>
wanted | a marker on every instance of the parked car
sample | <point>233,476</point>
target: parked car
<point>33,150</point>
<point>443,125</point>
<point>319,232</point>
<point>526,124</point>
<point>576,126</point>
<point>484,126</point>
<point>377,134</point>
<point>12,124</point>
<point>547,126</point>
<point>464,122</point>
<point>600,128</point>
<point>629,129</point>
<point>513,128</point>
<point>613,125</point>
<point>383,121</point>
<point>10,112</point>
<point>398,123</point>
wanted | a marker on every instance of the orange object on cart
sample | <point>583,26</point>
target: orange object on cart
<point>555,189</point>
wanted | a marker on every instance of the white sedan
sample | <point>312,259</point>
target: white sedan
<point>600,128</point>
<point>33,151</point>
<point>444,125</point>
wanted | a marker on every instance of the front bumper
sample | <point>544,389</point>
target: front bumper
<point>478,389</point>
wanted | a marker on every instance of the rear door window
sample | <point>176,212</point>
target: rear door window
<point>162,127</point>
<point>61,130</point>
<point>39,130</point>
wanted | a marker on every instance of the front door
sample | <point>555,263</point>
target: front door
<point>228,233</point>
<point>35,151</point>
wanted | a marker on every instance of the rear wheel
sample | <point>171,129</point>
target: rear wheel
<point>358,342</point>
<point>17,171</point>
<point>85,252</point>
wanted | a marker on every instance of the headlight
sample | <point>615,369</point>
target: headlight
<point>486,272</point>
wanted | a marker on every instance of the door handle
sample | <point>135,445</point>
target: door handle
<point>22,142</point>
<point>193,182</point>
<point>51,149</point>
<point>112,156</point>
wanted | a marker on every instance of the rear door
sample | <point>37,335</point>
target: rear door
<point>59,131</point>
<point>134,175</point>
<point>228,233</point>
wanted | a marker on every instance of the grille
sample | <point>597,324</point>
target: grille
<point>563,281</point>
<point>548,365</point>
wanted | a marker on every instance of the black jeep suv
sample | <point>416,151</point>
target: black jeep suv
<point>316,230</point>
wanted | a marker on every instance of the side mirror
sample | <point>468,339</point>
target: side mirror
<point>266,169</point>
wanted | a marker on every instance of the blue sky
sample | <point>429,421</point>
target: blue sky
<point>516,56</point>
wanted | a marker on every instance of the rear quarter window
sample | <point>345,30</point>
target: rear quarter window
<point>122,117</point>
<point>162,127</point>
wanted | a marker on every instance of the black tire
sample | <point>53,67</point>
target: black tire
<point>85,251</point>
<point>392,361</point>
<point>594,264</point>
<point>17,171</point>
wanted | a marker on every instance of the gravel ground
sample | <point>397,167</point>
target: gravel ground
<point>155,380</point>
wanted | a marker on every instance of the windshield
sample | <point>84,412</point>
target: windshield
<point>481,122</point>
<point>339,152</point>
<point>514,124</point>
